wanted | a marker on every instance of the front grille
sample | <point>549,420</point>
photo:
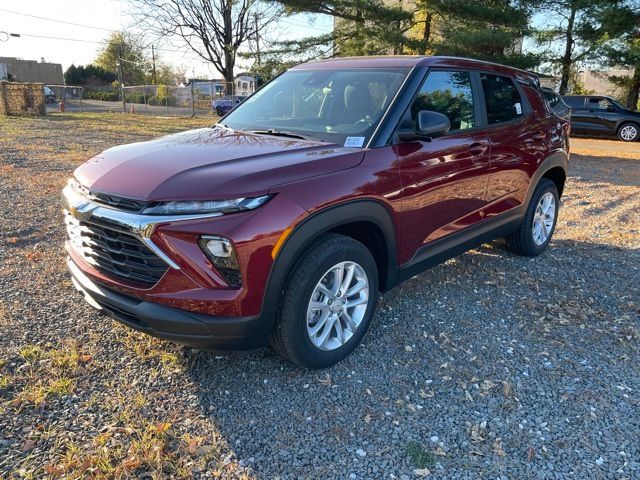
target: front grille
<point>115,253</point>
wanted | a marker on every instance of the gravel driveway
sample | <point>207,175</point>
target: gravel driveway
<point>488,366</point>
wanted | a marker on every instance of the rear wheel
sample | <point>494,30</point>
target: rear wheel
<point>629,132</point>
<point>534,234</point>
<point>328,303</point>
<point>219,111</point>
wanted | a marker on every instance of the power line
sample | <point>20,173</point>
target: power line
<point>57,21</point>
<point>57,38</point>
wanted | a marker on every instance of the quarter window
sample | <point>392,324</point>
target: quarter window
<point>502,99</point>
<point>449,93</point>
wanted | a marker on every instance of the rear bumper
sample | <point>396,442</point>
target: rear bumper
<point>189,328</point>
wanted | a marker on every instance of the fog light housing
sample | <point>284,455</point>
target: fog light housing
<point>223,256</point>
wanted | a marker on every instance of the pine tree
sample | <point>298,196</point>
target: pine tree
<point>577,27</point>
<point>490,30</point>
<point>621,47</point>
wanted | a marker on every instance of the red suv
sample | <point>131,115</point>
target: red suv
<point>335,181</point>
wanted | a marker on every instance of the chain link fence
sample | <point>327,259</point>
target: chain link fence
<point>200,97</point>
<point>70,95</point>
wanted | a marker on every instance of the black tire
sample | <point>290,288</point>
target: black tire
<point>219,111</point>
<point>289,336</point>
<point>630,127</point>
<point>521,241</point>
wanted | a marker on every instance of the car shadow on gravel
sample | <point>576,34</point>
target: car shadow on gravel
<point>493,364</point>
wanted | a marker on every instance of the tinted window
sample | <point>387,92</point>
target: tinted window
<point>449,93</point>
<point>574,102</point>
<point>599,103</point>
<point>551,98</point>
<point>502,98</point>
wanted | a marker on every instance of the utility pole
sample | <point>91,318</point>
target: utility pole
<point>153,64</point>
<point>121,75</point>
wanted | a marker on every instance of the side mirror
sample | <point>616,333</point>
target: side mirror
<point>611,108</point>
<point>429,125</point>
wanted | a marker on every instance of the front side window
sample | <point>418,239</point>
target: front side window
<point>340,106</point>
<point>501,98</point>
<point>449,93</point>
<point>574,102</point>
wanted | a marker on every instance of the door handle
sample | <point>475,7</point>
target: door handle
<point>478,148</point>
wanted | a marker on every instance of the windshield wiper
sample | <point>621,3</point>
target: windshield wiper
<point>282,133</point>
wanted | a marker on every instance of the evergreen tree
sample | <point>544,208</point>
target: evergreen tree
<point>573,31</point>
<point>362,27</point>
<point>621,47</point>
<point>491,30</point>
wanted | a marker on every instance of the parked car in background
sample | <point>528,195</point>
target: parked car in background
<point>49,95</point>
<point>225,104</point>
<point>556,103</point>
<point>602,116</point>
<point>335,181</point>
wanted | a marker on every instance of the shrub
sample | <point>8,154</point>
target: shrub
<point>134,98</point>
<point>98,95</point>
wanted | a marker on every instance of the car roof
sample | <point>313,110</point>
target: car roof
<point>410,61</point>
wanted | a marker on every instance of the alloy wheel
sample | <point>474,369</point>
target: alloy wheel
<point>337,306</point>
<point>544,218</point>
<point>628,132</point>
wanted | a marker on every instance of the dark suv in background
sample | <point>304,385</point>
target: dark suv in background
<point>602,116</point>
<point>335,181</point>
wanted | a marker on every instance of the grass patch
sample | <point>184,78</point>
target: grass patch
<point>419,455</point>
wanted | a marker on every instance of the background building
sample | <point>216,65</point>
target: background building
<point>33,71</point>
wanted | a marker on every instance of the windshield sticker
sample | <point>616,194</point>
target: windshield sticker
<point>518,109</point>
<point>355,142</point>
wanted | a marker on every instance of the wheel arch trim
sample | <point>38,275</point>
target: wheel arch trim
<point>322,221</point>
<point>558,159</point>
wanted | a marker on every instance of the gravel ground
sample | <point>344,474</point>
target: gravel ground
<point>489,366</point>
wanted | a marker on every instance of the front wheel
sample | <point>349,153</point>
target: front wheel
<point>219,112</point>
<point>328,303</point>
<point>629,132</point>
<point>534,234</point>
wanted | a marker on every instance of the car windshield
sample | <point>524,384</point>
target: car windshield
<point>337,106</point>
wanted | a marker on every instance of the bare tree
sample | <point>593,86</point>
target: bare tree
<point>213,29</point>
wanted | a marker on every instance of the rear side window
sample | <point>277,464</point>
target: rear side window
<point>574,102</point>
<point>599,103</point>
<point>449,93</point>
<point>502,99</point>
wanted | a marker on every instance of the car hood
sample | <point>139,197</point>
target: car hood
<point>210,163</point>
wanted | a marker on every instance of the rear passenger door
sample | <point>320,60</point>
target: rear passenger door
<point>606,114</point>
<point>444,179</point>
<point>519,140</point>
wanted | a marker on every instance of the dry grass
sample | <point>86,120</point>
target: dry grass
<point>134,428</point>
<point>137,435</point>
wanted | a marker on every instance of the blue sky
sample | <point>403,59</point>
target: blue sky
<point>107,15</point>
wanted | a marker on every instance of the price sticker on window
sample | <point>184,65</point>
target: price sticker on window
<point>355,142</point>
<point>518,108</point>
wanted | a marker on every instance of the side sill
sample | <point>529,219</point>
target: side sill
<point>441,250</point>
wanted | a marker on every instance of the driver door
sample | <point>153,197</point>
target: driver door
<point>444,180</point>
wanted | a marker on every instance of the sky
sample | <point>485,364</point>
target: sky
<point>104,16</point>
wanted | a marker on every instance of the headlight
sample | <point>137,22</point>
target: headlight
<point>220,207</point>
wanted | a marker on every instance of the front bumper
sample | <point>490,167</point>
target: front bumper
<point>181,326</point>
